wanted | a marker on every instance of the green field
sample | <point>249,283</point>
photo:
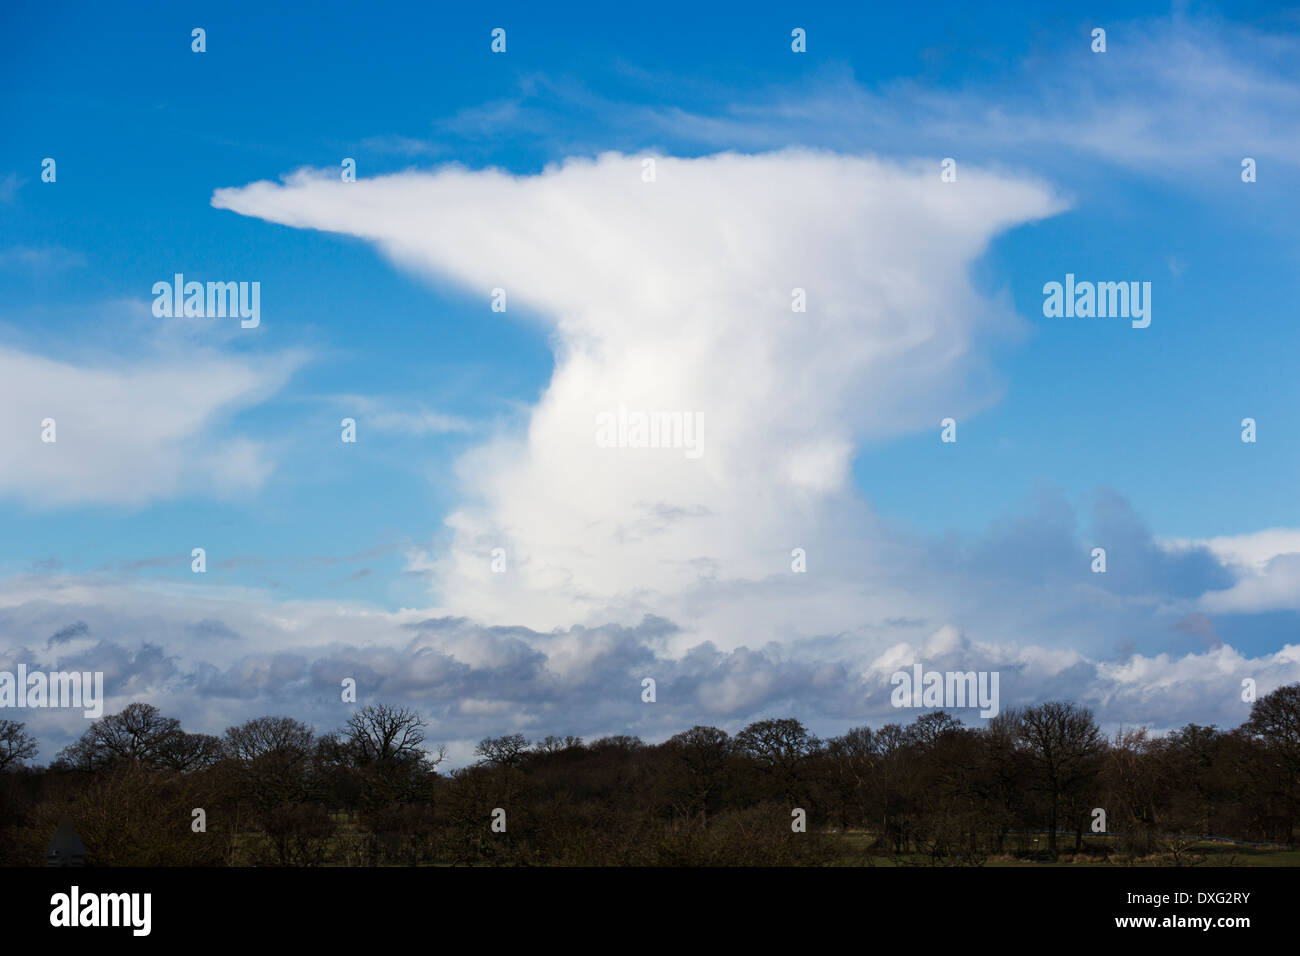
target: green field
<point>860,850</point>
<point>347,847</point>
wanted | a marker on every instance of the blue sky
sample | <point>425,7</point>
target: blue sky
<point>1116,166</point>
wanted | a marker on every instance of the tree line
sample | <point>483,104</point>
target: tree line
<point>272,791</point>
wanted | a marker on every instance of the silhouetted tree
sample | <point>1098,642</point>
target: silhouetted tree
<point>1275,722</point>
<point>932,789</point>
<point>507,751</point>
<point>386,747</point>
<point>140,734</point>
<point>15,745</point>
<point>1063,744</point>
<point>703,754</point>
<point>780,747</point>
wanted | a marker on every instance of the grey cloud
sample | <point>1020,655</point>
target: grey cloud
<point>69,633</point>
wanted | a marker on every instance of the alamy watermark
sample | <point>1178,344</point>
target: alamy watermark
<point>946,689</point>
<point>82,689</point>
<point>1102,300</point>
<point>642,429</point>
<point>215,300</point>
<point>75,908</point>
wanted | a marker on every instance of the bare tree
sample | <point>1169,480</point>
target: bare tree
<point>854,761</point>
<point>1063,744</point>
<point>1133,777</point>
<point>271,755</point>
<point>553,745</point>
<point>1275,718</point>
<point>929,728</point>
<point>140,734</point>
<point>387,759</point>
<point>15,745</point>
<point>382,734</point>
<point>506,751</point>
<point>268,735</point>
<point>1275,721</point>
<point>185,752</point>
<point>779,746</point>
<point>779,742</point>
<point>703,754</point>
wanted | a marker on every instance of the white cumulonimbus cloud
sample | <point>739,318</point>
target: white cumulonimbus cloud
<point>676,296</point>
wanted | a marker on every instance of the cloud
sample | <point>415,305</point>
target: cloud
<point>1182,98</point>
<point>210,629</point>
<point>401,146</point>
<point>631,562</point>
<point>385,416</point>
<point>1254,550</point>
<point>69,633</point>
<point>488,119</point>
<point>1276,587</point>
<point>41,258</point>
<point>132,430</point>
<point>1266,566</point>
<point>215,657</point>
<point>676,295</point>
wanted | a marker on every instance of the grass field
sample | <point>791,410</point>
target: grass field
<point>347,846</point>
<point>860,850</point>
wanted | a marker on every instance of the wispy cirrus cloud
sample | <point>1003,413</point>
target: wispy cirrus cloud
<point>389,415</point>
<point>1174,98</point>
<point>51,258</point>
<point>407,146</point>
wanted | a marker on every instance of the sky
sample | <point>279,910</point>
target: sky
<point>476,553</point>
